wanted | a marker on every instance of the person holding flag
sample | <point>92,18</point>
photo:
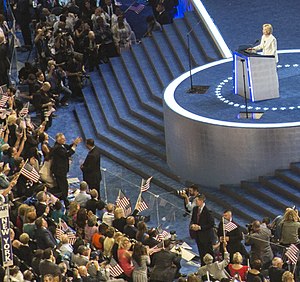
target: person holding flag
<point>230,232</point>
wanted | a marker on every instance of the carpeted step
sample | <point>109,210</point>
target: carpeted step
<point>182,30</point>
<point>295,167</point>
<point>128,99</point>
<point>267,195</point>
<point>124,115</point>
<point>250,201</point>
<point>101,105</point>
<point>202,36</point>
<point>144,112</point>
<point>145,68</point>
<point>163,73</point>
<point>227,202</point>
<point>167,50</point>
<point>122,158</point>
<point>140,84</point>
<point>178,46</point>
<point>282,188</point>
<point>130,148</point>
<point>289,177</point>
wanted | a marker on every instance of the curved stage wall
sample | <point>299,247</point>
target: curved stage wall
<point>212,152</point>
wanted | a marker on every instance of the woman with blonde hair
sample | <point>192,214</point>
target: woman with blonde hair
<point>290,226</point>
<point>119,221</point>
<point>236,267</point>
<point>124,257</point>
<point>108,242</point>
<point>288,277</point>
<point>268,43</point>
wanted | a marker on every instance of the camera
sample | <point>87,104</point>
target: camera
<point>249,227</point>
<point>183,191</point>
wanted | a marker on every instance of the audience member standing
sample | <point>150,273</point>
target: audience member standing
<point>201,227</point>
<point>91,166</point>
<point>60,162</point>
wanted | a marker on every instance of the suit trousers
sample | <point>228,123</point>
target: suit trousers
<point>204,248</point>
<point>63,186</point>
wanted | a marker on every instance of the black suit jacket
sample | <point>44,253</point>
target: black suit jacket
<point>44,239</point>
<point>60,158</point>
<point>48,267</point>
<point>206,222</point>
<point>91,167</point>
<point>130,231</point>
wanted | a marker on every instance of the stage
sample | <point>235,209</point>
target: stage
<point>208,144</point>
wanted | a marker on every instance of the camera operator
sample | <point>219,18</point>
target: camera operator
<point>58,80</point>
<point>189,195</point>
<point>41,41</point>
<point>63,43</point>
<point>258,238</point>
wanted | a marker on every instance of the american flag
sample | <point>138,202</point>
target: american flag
<point>114,268</point>
<point>292,253</point>
<point>230,226</point>
<point>141,205</point>
<point>25,110</point>
<point>3,100</point>
<point>63,228</point>
<point>162,235</point>
<point>124,203</point>
<point>146,185</point>
<point>29,172</point>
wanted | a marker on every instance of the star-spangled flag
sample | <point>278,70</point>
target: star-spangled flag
<point>25,110</point>
<point>123,202</point>
<point>72,237</point>
<point>141,205</point>
<point>30,172</point>
<point>63,228</point>
<point>162,235</point>
<point>3,100</point>
<point>114,268</point>
<point>292,253</point>
<point>146,185</point>
<point>230,226</point>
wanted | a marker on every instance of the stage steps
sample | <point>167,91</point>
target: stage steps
<point>123,112</point>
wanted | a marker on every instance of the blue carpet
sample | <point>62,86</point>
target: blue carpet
<point>227,105</point>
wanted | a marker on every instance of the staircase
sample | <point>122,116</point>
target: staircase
<point>123,112</point>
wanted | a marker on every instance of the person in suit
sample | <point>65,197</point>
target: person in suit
<point>129,229</point>
<point>166,264</point>
<point>60,155</point>
<point>91,166</point>
<point>48,265</point>
<point>201,227</point>
<point>259,240</point>
<point>233,235</point>
<point>44,238</point>
<point>83,196</point>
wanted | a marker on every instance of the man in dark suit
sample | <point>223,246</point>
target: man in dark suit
<point>233,235</point>
<point>44,238</point>
<point>129,229</point>
<point>48,265</point>
<point>60,155</point>
<point>166,264</point>
<point>201,227</point>
<point>91,166</point>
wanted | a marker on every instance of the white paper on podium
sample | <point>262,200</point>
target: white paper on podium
<point>185,254</point>
<point>186,246</point>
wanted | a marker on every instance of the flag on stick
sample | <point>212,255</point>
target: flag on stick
<point>25,110</point>
<point>63,228</point>
<point>123,202</point>
<point>292,253</point>
<point>3,100</point>
<point>162,234</point>
<point>114,268</point>
<point>146,185</point>
<point>230,226</point>
<point>141,204</point>
<point>29,172</point>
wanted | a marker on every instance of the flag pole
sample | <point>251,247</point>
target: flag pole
<point>223,223</point>
<point>140,194</point>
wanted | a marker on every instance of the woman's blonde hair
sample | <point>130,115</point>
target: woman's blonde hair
<point>237,258</point>
<point>287,277</point>
<point>268,27</point>
<point>118,213</point>
<point>290,215</point>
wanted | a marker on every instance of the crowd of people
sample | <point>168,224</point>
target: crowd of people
<point>56,238</point>
<point>261,253</point>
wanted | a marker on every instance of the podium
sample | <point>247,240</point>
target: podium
<point>261,79</point>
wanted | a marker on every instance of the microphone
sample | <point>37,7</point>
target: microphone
<point>256,41</point>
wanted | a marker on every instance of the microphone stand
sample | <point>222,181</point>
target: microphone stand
<point>194,89</point>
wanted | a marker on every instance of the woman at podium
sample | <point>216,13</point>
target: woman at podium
<point>268,43</point>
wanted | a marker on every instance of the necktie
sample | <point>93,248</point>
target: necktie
<point>198,214</point>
